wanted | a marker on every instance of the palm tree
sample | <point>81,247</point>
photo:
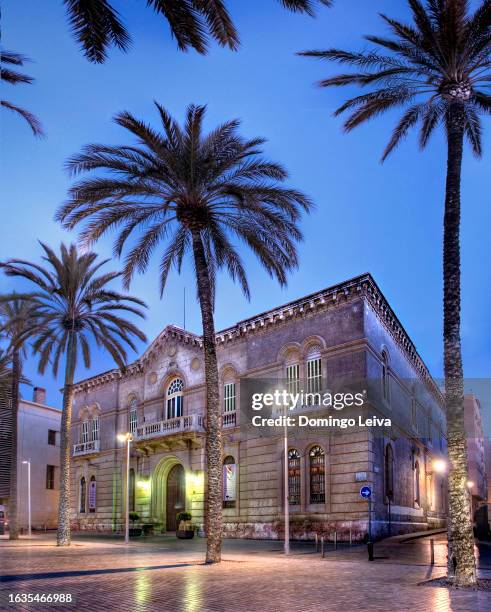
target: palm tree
<point>18,321</point>
<point>195,193</point>
<point>13,77</point>
<point>98,26</point>
<point>5,378</point>
<point>439,70</point>
<point>76,306</point>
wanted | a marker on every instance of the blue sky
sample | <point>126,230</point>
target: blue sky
<point>384,219</point>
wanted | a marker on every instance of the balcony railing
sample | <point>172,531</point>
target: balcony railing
<point>229,419</point>
<point>85,448</point>
<point>169,427</point>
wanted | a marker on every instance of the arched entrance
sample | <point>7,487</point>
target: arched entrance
<point>175,498</point>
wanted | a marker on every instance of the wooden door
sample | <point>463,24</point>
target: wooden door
<point>175,497</point>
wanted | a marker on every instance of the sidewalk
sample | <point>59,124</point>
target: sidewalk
<point>163,573</point>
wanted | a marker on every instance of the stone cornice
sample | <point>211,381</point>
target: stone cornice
<point>359,287</point>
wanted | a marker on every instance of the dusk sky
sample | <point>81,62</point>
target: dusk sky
<point>383,219</point>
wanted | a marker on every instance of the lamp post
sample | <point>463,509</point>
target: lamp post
<point>285,487</point>
<point>128,438</point>
<point>28,463</point>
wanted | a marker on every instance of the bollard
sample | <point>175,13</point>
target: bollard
<point>370,551</point>
<point>432,552</point>
<point>335,540</point>
<point>322,546</point>
<point>350,538</point>
<point>316,542</point>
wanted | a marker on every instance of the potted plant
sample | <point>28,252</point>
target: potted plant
<point>185,530</point>
<point>134,531</point>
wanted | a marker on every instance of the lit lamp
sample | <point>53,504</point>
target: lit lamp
<point>28,463</point>
<point>470,484</point>
<point>439,466</point>
<point>128,438</point>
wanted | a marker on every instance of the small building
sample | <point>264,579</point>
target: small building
<point>347,331</point>
<point>39,443</point>
<point>487,463</point>
<point>477,483</point>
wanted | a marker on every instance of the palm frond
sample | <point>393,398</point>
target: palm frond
<point>433,61</point>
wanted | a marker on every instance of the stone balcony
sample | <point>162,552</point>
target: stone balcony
<point>193,423</point>
<point>86,448</point>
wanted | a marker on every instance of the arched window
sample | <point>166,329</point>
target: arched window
<point>83,494</point>
<point>229,482</point>
<point>317,475</point>
<point>92,494</point>
<point>131,485</point>
<point>417,496</point>
<point>174,398</point>
<point>389,473</point>
<point>293,477</point>
<point>133,415</point>
<point>385,375</point>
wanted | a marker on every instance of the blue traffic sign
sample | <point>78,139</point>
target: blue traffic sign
<point>366,492</point>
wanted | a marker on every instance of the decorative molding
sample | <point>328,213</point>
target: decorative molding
<point>360,287</point>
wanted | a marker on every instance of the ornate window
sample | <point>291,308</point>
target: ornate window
<point>385,375</point>
<point>95,429</point>
<point>417,495</point>
<point>92,494</point>
<point>83,494</point>
<point>293,477</point>
<point>133,415</point>
<point>229,397</point>
<point>131,485</point>
<point>293,378</point>
<point>229,482</point>
<point>174,398</point>
<point>317,475</point>
<point>389,473</point>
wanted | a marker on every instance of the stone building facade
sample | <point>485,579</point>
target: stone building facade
<point>478,481</point>
<point>38,432</point>
<point>348,330</point>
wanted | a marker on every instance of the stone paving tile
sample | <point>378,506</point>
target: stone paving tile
<point>263,581</point>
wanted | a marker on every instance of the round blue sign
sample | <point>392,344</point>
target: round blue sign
<point>365,492</point>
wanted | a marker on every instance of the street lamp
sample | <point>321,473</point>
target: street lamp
<point>28,463</point>
<point>128,438</point>
<point>285,487</point>
<point>439,466</point>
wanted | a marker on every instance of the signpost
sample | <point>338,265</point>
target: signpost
<point>366,493</point>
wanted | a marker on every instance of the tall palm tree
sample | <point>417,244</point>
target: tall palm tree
<point>77,306</point>
<point>439,70</point>
<point>19,319</point>
<point>97,25</point>
<point>191,193</point>
<point>14,77</point>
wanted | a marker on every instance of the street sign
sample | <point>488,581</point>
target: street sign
<point>366,492</point>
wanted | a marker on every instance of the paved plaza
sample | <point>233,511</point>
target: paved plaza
<point>165,574</point>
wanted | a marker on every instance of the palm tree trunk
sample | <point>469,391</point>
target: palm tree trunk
<point>461,562</point>
<point>13,510</point>
<point>213,416</point>
<point>63,534</point>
